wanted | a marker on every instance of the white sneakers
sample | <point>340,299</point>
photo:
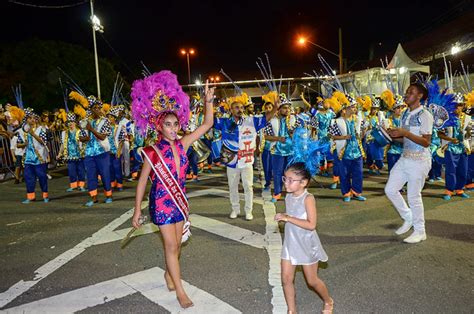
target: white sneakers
<point>407,224</point>
<point>233,215</point>
<point>415,237</point>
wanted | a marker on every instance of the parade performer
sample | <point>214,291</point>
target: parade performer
<point>72,151</point>
<point>239,134</point>
<point>395,148</point>
<point>469,99</point>
<point>320,122</point>
<point>414,164</point>
<point>375,151</point>
<point>159,103</point>
<point>97,157</point>
<point>116,138</point>
<point>36,157</point>
<point>456,152</point>
<point>266,152</point>
<point>15,117</point>
<point>344,132</point>
<point>301,244</point>
<point>279,131</point>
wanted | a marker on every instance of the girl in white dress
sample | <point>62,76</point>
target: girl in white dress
<point>301,245</point>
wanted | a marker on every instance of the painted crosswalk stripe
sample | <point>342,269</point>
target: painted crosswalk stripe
<point>147,282</point>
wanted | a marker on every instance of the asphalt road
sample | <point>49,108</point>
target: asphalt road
<point>63,257</point>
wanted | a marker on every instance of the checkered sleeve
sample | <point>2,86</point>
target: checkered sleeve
<point>334,129</point>
<point>82,133</point>
<point>268,130</point>
<point>106,128</point>
<point>43,136</point>
<point>314,122</point>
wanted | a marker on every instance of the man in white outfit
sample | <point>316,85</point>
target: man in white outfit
<point>239,135</point>
<point>414,164</point>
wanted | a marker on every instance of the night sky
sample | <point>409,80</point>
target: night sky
<point>228,34</point>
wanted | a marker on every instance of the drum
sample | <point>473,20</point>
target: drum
<point>381,136</point>
<point>439,155</point>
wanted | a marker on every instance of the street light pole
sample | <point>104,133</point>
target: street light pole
<point>95,50</point>
<point>189,68</point>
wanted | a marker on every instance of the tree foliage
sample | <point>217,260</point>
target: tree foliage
<point>34,64</point>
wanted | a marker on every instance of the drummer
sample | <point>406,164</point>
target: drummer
<point>343,131</point>
<point>395,148</point>
<point>375,149</point>
<point>455,156</point>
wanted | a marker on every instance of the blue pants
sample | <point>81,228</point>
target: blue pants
<point>456,171</point>
<point>76,172</point>
<point>267,166</point>
<point>116,171</point>
<point>376,153</point>
<point>350,172</point>
<point>192,157</point>
<point>135,161</point>
<point>98,165</point>
<point>33,172</point>
<point>279,166</point>
<point>436,169</point>
<point>392,160</point>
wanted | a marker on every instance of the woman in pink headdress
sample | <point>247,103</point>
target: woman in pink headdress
<point>159,103</point>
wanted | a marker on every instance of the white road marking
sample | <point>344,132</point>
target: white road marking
<point>273,247</point>
<point>271,241</point>
<point>228,231</point>
<point>148,282</point>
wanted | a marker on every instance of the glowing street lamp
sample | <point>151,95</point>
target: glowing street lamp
<point>188,52</point>
<point>301,40</point>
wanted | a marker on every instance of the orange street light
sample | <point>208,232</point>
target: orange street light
<point>303,40</point>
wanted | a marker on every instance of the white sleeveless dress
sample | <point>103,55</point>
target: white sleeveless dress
<point>300,246</point>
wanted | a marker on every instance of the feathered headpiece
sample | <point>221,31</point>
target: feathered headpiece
<point>80,111</point>
<point>62,114</point>
<point>388,98</point>
<point>270,83</point>
<point>114,111</point>
<point>270,97</point>
<point>334,104</point>
<point>307,151</point>
<point>80,99</point>
<point>14,113</point>
<point>157,94</point>
<point>441,105</point>
<point>365,102</point>
<point>469,99</point>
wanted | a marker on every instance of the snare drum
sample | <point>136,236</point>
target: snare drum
<point>381,136</point>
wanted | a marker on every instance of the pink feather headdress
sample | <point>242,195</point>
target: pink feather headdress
<point>155,95</point>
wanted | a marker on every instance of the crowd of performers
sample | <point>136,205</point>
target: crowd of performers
<point>162,135</point>
<point>101,141</point>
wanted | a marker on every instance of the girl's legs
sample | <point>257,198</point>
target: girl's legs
<point>172,242</point>
<point>311,275</point>
<point>288,282</point>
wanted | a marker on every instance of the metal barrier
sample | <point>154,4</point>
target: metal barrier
<point>7,165</point>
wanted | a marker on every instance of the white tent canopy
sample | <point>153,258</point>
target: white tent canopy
<point>401,60</point>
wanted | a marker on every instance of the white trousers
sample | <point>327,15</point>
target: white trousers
<point>126,158</point>
<point>413,172</point>
<point>233,178</point>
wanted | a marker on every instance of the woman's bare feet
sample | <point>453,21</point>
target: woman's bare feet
<point>169,282</point>
<point>184,301</point>
<point>328,307</point>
